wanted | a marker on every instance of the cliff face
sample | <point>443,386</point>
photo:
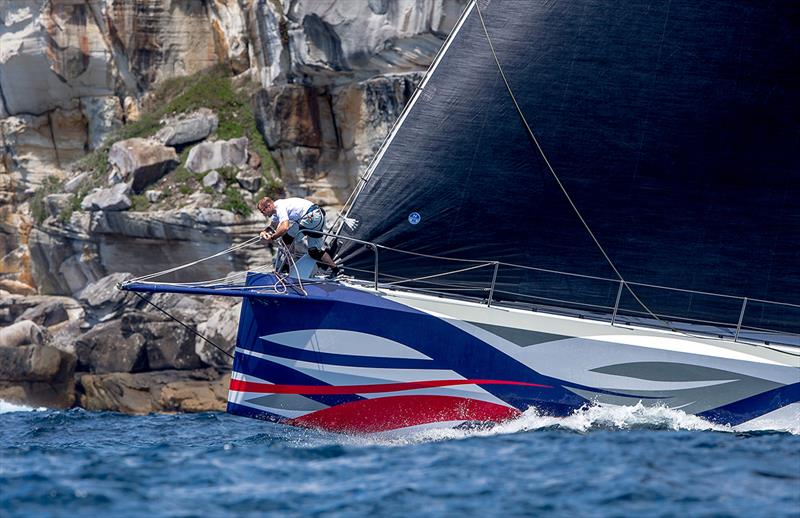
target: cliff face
<point>135,135</point>
<point>328,78</point>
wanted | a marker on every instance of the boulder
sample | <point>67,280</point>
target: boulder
<point>188,128</point>
<point>220,153</point>
<point>55,204</point>
<point>221,328</point>
<point>16,287</point>
<point>169,344</point>
<point>72,185</point>
<point>164,391</point>
<point>249,179</point>
<point>105,348</point>
<point>214,181</point>
<point>48,313</point>
<point>153,196</point>
<point>21,333</point>
<point>111,199</point>
<point>102,300</point>
<point>37,375</point>
<point>140,162</point>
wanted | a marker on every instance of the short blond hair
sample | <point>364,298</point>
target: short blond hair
<point>263,202</point>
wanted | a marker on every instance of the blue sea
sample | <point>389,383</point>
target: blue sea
<point>598,462</point>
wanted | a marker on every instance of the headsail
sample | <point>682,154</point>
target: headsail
<point>673,126</point>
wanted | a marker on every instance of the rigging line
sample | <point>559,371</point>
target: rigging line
<point>553,172</point>
<point>181,267</point>
<point>193,331</point>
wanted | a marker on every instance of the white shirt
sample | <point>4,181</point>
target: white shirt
<point>291,209</point>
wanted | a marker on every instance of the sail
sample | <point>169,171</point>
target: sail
<point>673,126</point>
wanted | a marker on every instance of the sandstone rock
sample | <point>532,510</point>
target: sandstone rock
<point>55,204</point>
<point>170,346</point>
<point>162,39</point>
<point>37,146</point>
<point>214,181</point>
<point>164,391</point>
<point>191,127</point>
<point>289,115</point>
<point>131,109</point>
<point>103,301</point>
<point>21,333</point>
<point>221,153</point>
<point>17,287</point>
<point>37,375</point>
<point>72,185</point>
<point>141,162</point>
<point>111,199</point>
<point>13,305</point>
<point>48,313</point>
<point>103,115</point>
<point>249,179</point>
<point>105,348</point>
<point>30,363</point>
<point>50,54</point>
<point>64,260</point>
<point>64,335</point>
<point>228,23</point>
<point>221,328</point>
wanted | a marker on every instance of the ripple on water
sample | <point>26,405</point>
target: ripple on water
<point>599,461</point>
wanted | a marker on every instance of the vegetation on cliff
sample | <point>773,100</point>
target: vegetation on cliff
<point>214,89</point>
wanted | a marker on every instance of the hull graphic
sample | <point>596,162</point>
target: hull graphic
<point>349,359</point>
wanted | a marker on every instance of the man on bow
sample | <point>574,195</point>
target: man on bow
<point>288,217</point>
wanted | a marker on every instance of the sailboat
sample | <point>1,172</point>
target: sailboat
<point>582,203</point>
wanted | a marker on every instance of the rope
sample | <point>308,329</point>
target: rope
<point>553,172</point>
<point>187,265</point>
<point>190,329</point>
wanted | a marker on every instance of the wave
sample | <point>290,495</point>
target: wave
<point>6,407</point>
<point>585,420</point>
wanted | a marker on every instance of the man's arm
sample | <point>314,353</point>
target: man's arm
<point>281,229</point>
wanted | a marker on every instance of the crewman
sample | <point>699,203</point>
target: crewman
<point>289,216</point>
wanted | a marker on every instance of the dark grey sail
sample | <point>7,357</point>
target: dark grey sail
<point>672,125</point>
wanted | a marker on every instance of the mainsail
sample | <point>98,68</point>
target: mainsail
<point>672,125</point>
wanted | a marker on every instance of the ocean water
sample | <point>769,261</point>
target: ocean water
<point>602,461</point>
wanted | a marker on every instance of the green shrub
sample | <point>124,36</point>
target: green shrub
<point>139,202</point>
<point>51,185</point>
<point>235,202</point>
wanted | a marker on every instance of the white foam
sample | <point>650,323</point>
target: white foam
<point>6,407</point>
<point>584,420</point>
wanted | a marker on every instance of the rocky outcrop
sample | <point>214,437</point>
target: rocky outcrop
<point>220,329</point>
<point>104,348</point>
<point>326,80</point>
<point>140,162</point>
<point>48,313</point>
<point>214,155</point>
<point>37,375</point>
<point>112,199</point>
<point>186,128</point>
<point>102,300</point>
<point>21,333</point>
<point>164,391</point>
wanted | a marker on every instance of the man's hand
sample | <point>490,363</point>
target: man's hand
<point>266,236</point>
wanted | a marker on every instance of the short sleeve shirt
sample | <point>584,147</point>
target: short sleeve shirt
<point>291,209</point>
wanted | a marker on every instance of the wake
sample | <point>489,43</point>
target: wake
<point>585,420</point>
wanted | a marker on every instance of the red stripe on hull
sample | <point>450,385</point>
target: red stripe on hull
<point>389,413</point>
<point>266,388</point>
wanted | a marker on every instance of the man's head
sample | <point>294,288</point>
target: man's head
<point>266,206</point>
